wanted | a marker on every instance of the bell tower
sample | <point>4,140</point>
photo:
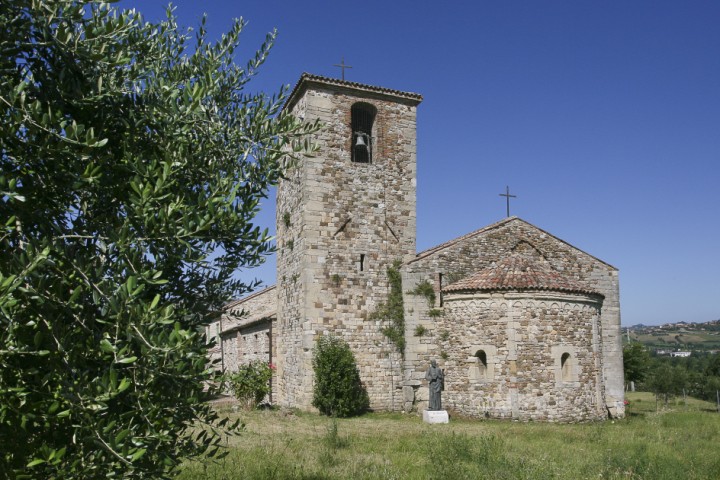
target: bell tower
<point>343,217</point>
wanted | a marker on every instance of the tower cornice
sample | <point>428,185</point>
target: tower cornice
<point>308,80</point>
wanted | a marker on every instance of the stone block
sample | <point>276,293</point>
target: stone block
<point>436,416</point>
<point>422,394</point>
<point>408,394</point>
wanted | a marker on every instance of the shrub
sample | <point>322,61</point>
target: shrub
<point>420,330</point>
<point>425,289</point>
<point>338,391</point>
<point>251,383</point>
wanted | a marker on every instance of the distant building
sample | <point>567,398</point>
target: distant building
<point>680,354</point>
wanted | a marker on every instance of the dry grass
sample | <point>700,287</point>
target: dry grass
<point>679,442</point>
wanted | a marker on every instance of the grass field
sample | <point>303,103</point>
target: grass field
<point>680,442</point>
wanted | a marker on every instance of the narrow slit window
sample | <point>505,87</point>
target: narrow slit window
<point>440,287</point>
<point>565,365</point>
<point>362,262</point>
<point>362,119</point>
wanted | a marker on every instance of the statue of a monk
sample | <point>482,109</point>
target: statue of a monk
<point>436,384</point>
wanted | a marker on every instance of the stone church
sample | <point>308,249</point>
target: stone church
<point>525,325</point>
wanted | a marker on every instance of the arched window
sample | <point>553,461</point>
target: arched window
<point>482,357</point>
<point>362,118</point>
<point>565,367</point>
<point>481,362</point>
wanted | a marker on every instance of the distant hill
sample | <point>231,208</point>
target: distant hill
<point>694,337</point>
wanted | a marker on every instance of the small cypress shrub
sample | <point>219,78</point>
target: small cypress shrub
<point>338,391</point>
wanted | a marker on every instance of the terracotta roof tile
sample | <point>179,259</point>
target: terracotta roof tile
<point>517,272</point>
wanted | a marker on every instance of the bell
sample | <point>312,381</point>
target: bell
<point>360,142</point>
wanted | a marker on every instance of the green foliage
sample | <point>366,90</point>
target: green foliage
<point>132,163</point>
<point>461,453</point>
<point>444,336</point>
<point>667,380</point>
<point>251,383</point>
<point>420,330</point>
<point>291,244</point>
<point>333,442</point>
<point>337,391</point>
<point>425,289</point>
<point>636,362</point>
<point>669,376</point>
<point>444,355</point>
<point>434,313</point>
<point>286,219</point>
<point>393,310</point>
<point>679,443</point>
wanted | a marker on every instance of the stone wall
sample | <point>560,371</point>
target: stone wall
<point>245,332</point>
<point>466,255</point>
<point>504,356</point>
<point>348,223</point>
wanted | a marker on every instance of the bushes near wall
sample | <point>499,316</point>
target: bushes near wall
<point>338,391</point>
<point>251,383</point>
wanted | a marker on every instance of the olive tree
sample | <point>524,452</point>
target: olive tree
<point>132,164</point>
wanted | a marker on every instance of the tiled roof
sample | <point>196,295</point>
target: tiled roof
<point>308,77</point>
<point>518,272</point>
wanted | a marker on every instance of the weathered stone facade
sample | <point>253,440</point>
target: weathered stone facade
<point>522,374</point>
<point>475,251</point>
<point>245,332</point>
<point>341,223</point>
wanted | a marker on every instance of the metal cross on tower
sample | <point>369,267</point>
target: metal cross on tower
<point>342,66</point>
<point>507,197</point>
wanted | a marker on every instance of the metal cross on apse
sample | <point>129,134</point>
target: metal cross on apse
<point>507,197</point>
<point>342,66</point>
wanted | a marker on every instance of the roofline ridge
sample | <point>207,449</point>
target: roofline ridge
<point>238,301</point>
<point>427,252</point>
<point>442,246</point>
<point>310,77</point>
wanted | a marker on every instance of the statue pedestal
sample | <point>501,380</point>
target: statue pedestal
<point>435,416</point>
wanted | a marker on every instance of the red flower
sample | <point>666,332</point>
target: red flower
<point>271,365</point>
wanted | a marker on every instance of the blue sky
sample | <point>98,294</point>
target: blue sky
<point>602,117</point>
